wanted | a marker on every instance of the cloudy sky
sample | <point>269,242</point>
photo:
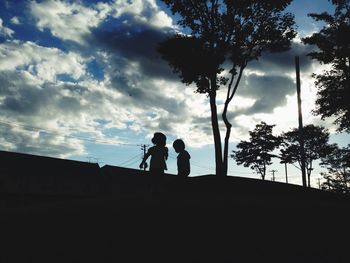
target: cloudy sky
<point>82,80</point>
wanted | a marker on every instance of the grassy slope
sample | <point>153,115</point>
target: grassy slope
<point>204,219</point>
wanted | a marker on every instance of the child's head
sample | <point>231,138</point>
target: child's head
<point>159,139</point>
<point>179,145</point>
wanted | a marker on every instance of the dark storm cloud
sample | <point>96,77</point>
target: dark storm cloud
<point>74,88</point>
<point>268,91</point>
<point>203,124</point>
<point>19,105</point>
<point>140,93</point>
<point>20,98</point>
<point>132,42</point>
<point>70,103</point>
<point>137,43</point>
<point>285,61</point>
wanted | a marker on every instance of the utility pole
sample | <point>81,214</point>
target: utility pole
<point>144,150</point>
<point>300,118</point>
<point>285,161</point>
<point>273,174</point>
<point>319,183</point>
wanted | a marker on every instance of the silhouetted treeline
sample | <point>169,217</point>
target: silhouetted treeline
<point>262,146</point>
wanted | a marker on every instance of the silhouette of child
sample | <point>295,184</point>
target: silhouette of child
<point>183,158</point>
<point>159,155</point>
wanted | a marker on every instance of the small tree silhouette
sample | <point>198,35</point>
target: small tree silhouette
<point>219,33</point>
<point>257,152</point>
<point>315,144</point>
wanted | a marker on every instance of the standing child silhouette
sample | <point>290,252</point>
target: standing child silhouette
<point>159,155</point>
<point>183,158</point>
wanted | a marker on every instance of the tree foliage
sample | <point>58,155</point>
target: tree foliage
<point>257,152</point>
<point>338,166</point>
<point>315,146</point>
<point>220,38</point>
<point>333,43</point>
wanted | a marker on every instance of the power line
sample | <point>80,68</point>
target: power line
<point>129,160</point>
<point>296,166</point>
<point>239,172</point>
<point>202,167</point>
<point>194,164</point>
<point>210,169</point>
<point>132,163</point>
<point>97,141</point>
<point>91,159</point>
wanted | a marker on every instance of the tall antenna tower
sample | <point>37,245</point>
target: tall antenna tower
<point>300,118</point>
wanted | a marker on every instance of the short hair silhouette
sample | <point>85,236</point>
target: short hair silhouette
<point>159,139</point>
<point>179,144</point>
<point>183,159</point>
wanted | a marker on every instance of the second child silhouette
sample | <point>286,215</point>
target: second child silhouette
<point>183,158</point>
<point>159,155</point>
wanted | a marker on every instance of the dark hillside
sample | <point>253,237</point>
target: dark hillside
<point>201,219</point>
<point>33,165</point>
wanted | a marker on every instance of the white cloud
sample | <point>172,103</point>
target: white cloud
<point>15,137</point>
<point>144,11</point>
<point>31,95</point>
<point>15,20</point>
<point>73,21</point>
<point>125,103</point>
<point>67,21</point>
<point>46,63</point>
<point>54,118</point>
<point>5,31</point>
<point>161,19</point>
<point>130,97</point>
<point>134,7</point>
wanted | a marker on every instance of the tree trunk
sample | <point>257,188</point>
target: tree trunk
<point>264,172</point>
<point>227,138</point>
<point>230,94</point>
<point>309,170</point>
<point>216,131</point>
<point>285,169</point>
<point>345,181</point>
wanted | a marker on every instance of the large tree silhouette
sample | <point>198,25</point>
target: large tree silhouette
<point>258,151</point>
<point>219,39</point>
<point>333,43</point>
<point>315,145</point>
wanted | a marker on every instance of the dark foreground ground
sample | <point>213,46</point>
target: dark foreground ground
<point>203,219</point>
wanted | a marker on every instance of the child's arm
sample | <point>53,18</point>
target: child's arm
<point>186,164</point>
<point>144,159</point>
<point>166,153</point>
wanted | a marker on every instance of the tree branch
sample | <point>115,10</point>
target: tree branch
<point>237,82</point>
